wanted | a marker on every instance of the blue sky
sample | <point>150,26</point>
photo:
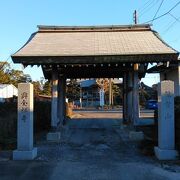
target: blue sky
<point>19,19</point>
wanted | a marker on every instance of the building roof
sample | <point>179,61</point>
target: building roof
<point>63,45</point>
<point>90,82</point>
<point>87,83</point>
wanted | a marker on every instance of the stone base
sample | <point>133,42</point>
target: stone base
<point>164,154</point>
<point>24,155</point>
<point>136,136</point>
<point>53,136</point>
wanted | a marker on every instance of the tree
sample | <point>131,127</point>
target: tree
<point>4,76</point>
<point>46,88</point>
<point>17,76</point>
<point>37,88</point>
<point>73,90</point>
<point>12,76</point>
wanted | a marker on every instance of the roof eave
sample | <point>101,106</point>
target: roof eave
<point>38,60</point>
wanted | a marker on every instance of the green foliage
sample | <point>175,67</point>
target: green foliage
<point>37,88</point>
<point>46,88</point>
<point>4,76</point>
<point>12,76</point>
<point>8,125</point>
<point>73,90</point>
<point>42,116</point>
<point>8,122</point>
<point>17,76</point>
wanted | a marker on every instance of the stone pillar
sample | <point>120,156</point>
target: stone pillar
<point>61,100</point>
<point>54,100</point>
<point>25,149</point>
<point>130,97</point>
<point>166,128</point>
<point>135,98</point>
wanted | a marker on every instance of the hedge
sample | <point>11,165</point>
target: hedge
<point>8,121</point>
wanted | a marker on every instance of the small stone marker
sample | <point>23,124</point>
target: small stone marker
<point>25,149</point>
<point>166,128</point>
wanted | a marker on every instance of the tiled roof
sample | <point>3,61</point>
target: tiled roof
<point>94,41</point>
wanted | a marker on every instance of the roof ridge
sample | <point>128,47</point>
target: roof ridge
<point>44,28</point>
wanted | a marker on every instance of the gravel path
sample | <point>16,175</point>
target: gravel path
<point>101,149</point>
<point>90,150</point>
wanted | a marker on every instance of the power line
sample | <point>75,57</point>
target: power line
<point>164,13</point>
<point>142,7</point>
<point>147,8</point>
<point>158,10</point>
<point>172,24</point>
<point>177,19</point>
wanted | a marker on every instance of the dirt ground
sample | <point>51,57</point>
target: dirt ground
<point>90,149</point>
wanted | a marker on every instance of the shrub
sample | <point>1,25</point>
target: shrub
<point>8,121</point>
<point>42,116</point>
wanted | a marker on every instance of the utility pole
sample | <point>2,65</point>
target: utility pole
<point>135,17</point>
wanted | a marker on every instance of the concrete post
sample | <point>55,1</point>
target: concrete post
<point>61,100</point>
<point>166,129</point>
<point>25,149</point>
<point>135,98</point>
<point>54,101</point>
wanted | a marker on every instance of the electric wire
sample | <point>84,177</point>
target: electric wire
<point>164,13</point>
<point>144,6</point>
<point>172,24</point>
<point>158,10</point>
<point>148,8</point>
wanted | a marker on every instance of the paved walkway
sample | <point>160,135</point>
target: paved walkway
<point>93,150</point>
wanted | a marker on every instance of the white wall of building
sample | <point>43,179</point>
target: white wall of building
<point>7,91</point>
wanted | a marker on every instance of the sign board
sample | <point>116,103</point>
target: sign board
<point>101,94</point>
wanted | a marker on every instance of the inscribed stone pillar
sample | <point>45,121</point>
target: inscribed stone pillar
<point>54,101</point>
<point>135,98</point>
<point>166,129</point>
<point>25,149</point>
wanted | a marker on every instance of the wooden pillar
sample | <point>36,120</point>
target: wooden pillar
<point>61,100</point>
<point>125,97</point>
<point>54,101</point>
<point>130,97</point>
<point>135,97</point>
<point>110,92</point>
